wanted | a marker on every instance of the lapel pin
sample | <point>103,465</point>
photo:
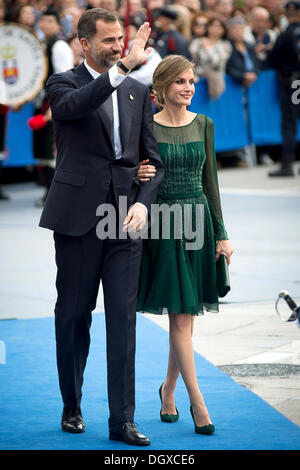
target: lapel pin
<point>131,97</point>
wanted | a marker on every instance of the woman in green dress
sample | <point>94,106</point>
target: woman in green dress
<point>177,278</point>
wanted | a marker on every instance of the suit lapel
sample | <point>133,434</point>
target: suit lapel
<point>103,112</point>
<point>125,103</point>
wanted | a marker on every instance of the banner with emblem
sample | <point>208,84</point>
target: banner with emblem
<point>23,65</point>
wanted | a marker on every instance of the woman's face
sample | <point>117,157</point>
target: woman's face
<point>210,5</point>
<point>199,28</point>
<point>181,91</point>
<point>27,16</point>
<point>236,32</point>
<point>215,30</point>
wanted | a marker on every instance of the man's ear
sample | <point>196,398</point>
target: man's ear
<point>84,44</point>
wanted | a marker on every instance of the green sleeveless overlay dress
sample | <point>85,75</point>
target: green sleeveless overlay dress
<point>176,279</point>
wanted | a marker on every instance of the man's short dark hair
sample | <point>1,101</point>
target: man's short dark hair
<point>51,12</point>
<point>87,24</point>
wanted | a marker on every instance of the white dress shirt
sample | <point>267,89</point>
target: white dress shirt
<point>115,79</point>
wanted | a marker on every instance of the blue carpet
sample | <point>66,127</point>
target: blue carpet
<point>30,406</point>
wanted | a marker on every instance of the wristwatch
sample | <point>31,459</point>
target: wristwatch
<point>123,67</point>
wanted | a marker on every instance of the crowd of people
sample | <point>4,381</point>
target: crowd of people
<point>213,33</point>
<point>233,37</point>
<point>218,35</point>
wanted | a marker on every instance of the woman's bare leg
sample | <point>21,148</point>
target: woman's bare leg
<point>181,327</point>
<point>168,389</point>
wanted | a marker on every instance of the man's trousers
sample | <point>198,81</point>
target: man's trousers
<point>81,263</point>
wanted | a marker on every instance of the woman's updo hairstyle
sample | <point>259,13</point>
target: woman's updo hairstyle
<point>167,71</point>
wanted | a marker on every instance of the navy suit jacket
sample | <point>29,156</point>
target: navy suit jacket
<point>86,167</point>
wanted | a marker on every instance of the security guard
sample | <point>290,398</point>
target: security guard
<point>166,39</point>
<point>285,59</point>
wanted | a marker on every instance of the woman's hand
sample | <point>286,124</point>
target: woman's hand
<point>146,172</point>
<point>224,248</point>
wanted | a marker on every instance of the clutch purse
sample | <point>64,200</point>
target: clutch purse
<point>223,279</point>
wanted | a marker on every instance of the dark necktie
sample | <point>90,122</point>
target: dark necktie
<point>108,107</point>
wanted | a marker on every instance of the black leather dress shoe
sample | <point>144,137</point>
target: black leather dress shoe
<point>128,433</point>
<point>72,421</point>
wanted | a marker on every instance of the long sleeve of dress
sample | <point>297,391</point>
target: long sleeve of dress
<point>210,182</point>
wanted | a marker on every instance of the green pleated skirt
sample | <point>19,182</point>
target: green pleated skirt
<point>174,279</point>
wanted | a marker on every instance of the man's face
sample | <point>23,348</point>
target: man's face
<point>162,23</point>
<point>135,7</point>
<point>225,7</point>
<point>49,25</point>
<point>108,5</point>
<point>105,49</point>
<point>259,22</point>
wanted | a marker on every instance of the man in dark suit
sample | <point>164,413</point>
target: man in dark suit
<point>103,126</point>
<point>284,58</point>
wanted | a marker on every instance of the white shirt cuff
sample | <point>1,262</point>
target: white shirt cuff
<point>115,77</point>
<point>140,204</point>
